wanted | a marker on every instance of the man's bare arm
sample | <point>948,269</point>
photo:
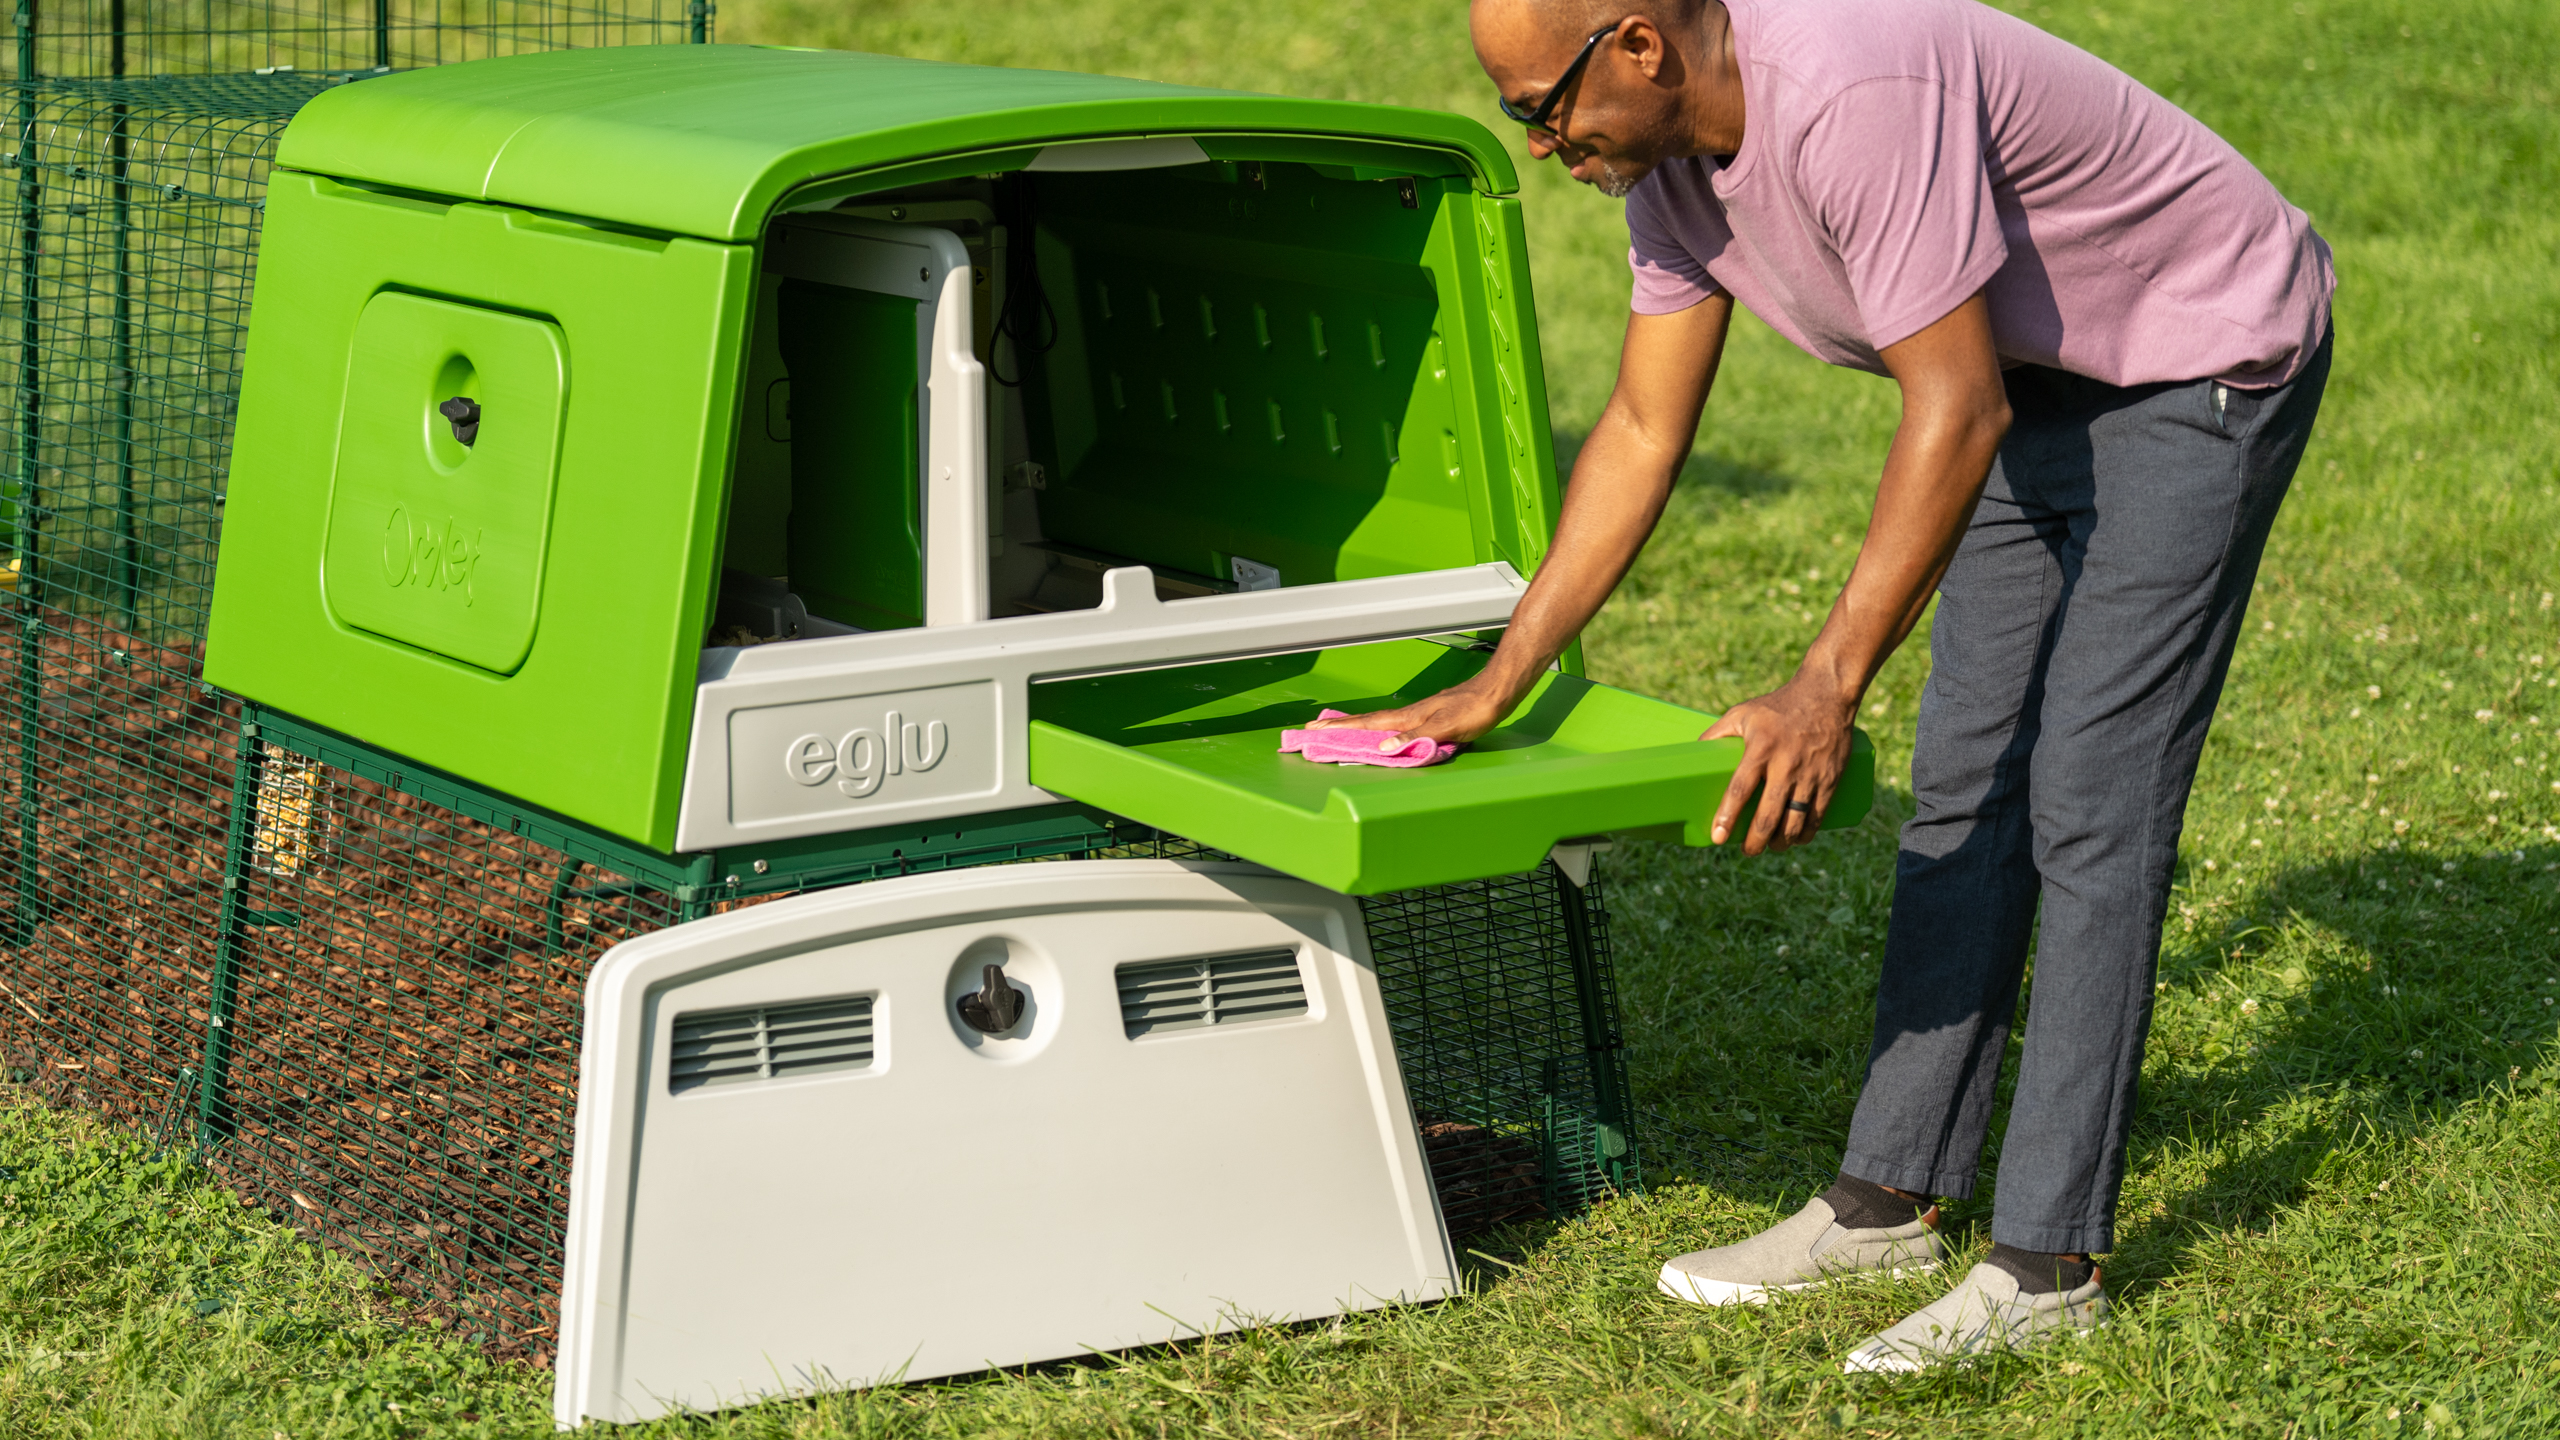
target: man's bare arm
<point>1620,482</point>
<point>1955,412</point>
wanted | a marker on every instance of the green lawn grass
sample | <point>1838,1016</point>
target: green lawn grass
<point>2341,1213</point>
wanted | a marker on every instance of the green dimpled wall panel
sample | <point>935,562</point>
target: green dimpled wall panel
<point>856,538</point>
<point>545,642</point>
<point>436,521</point>
<point>1354,363</point>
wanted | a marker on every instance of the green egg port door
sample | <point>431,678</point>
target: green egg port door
<point>440,502</point>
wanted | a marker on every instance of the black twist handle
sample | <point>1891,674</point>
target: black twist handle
<point>463,413</point>
<point>996,1007</point>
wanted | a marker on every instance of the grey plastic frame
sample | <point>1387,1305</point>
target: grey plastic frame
<point>805,738</point>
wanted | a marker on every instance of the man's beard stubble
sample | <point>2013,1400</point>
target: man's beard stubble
<point>1616,183</point>
<point>1618,175</point>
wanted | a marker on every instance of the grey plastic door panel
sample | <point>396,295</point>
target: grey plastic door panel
<point>799,1166</point>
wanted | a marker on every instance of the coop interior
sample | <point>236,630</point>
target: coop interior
<point>1230,372</point>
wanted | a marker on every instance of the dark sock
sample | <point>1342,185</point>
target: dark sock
<point>1865,1205</point>
<point>2040,1273</point>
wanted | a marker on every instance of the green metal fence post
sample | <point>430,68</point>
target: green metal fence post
<point>26,521</point>
<point>119,165</point>
<point>29,911</point>
<point>214,1120</point>
<point>1604,1048</point>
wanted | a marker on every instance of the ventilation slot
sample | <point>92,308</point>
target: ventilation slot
<point>1211,990</point>
<point>776,1042</point>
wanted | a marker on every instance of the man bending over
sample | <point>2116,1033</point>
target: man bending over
<point>2111,335</point>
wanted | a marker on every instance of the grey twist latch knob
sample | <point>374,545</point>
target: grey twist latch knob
<point>463,413</point>
<point>996,1007</point>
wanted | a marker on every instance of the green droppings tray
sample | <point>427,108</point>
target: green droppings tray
<point>1196,750</point>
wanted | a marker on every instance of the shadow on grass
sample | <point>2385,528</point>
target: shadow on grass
<point>2370,994</point>
<point>1749,990</point>
<point>2320,1008</point>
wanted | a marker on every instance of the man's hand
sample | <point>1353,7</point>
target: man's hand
<point>1620,482</point>
<point>1795,744</point>
<point>1795,739</point>
<point>1455,715</point>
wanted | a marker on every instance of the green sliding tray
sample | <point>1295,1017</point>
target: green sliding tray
<point>1195,750</point>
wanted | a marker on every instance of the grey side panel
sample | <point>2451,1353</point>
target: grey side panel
<point>875,1189</point>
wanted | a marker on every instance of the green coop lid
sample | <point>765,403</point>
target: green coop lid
<point>707,139</point>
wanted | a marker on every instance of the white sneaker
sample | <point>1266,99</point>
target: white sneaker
<point>1983,1314</point>
<point>1809,1249</point>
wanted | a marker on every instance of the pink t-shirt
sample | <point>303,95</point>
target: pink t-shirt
<point>1899,155</point>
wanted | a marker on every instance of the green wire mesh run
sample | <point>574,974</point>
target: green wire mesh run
<point>92,39</point>
<point>1504,1006</point>
<point>357,984</point>
<point>403,1005</point>
<point>137,206</point>
<point>378,1036</point>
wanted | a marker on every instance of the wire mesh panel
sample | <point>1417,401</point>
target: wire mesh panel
<point>118,799</point>
<point>138,205</point>
<point>113,38</point>
<point>158,875</point>
<point>381,1038</point>
<point>136,208</point>
<point>403,1010</point>
<point>1501,998</point>
<point>363,993</point>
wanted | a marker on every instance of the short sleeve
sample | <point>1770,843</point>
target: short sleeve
<point>1895,174</point>
<point>1669,275</point>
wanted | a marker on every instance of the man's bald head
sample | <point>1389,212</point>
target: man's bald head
<point>1631,106</point>
<point>1569,21</point>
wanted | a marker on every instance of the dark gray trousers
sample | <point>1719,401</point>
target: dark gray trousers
<point>2081,640</point>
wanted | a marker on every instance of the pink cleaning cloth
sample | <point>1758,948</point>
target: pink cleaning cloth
<point>1360,747</point>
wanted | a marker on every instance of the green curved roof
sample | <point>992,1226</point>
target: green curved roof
<point>705,139</point>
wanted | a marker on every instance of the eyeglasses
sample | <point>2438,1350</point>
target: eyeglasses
<point>1537,119</point>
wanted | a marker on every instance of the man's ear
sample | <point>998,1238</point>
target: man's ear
<point>1645,48</point>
